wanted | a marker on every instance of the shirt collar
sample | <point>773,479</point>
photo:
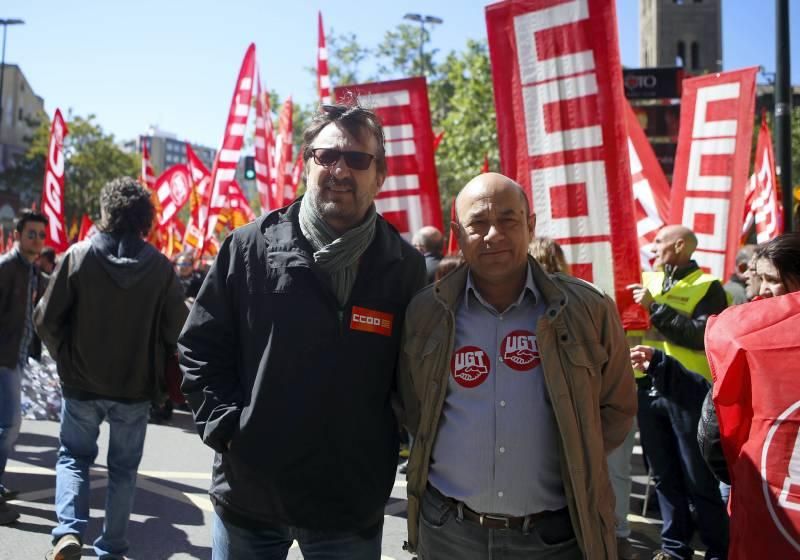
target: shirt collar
<point>529,288</point>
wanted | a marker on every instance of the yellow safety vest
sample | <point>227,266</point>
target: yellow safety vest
<point>683,297</point>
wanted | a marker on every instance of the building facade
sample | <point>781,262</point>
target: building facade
<point>166,150</point>
<point>685,33</point>
<point>22,110</point>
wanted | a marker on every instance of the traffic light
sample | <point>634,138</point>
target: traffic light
<point>249,168</point>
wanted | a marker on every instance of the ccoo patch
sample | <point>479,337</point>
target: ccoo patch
<point>520,351</point>
<point>470,366</point>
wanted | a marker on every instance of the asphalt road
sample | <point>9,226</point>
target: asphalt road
<point>172,513</point>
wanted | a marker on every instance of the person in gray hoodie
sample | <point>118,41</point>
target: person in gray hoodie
<point>110,317</point>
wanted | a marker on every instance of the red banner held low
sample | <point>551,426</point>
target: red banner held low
<point>560,109</point>
<point>650,188</point>
<point>409,198</point>
<point>711,164</point>
<point>763,205</point>
<point>53,191</point>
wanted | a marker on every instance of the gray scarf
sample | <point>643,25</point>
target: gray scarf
<point>337,256</point>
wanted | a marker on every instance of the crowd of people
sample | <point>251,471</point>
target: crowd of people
<point>515,383</point>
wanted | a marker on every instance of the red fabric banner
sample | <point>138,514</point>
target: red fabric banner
<point>53,191</point>
<point>297,174</point>
<point>227,159</point>
<point>711,164</point>
<point>438,140</point>
<point>283,155</point>
<point>88,228</point>
<point>198,199</point>
<point>172,189</point>
<point>239,207</point>
<point>148,178</point>
<point>650,188</point>
<point>753,350</point>
<point>323,78</point>
<point>763,206</point>
<point>560,108</point>
<point>409,198</point>
<point>264,151</point>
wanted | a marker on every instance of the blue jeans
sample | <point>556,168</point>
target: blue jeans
<point>10,413</point>
<point>668,431</point>
<point>230,542</point>
<point>443,536</point>
<point>80,427</point>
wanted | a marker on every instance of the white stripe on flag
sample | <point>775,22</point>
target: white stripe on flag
<point>324,81</point>
<point>398,132</point>
<point>400,148</point>
<point>247,84</point>
<point>260,168</point>
<point>237,129</point>
<point>401,182</point>
<point>388,99</point>
<point>226,174</point>
<point>230,156</point>
<point>260,143</point>
<point>323,53</point>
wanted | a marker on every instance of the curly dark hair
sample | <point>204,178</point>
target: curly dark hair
<point>126,207</point>
<point>784,253</point>
<point>355,119</point>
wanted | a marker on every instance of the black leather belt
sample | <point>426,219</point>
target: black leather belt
<point>493,521</point>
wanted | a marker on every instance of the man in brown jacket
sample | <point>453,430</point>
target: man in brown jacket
<point>516,385</point>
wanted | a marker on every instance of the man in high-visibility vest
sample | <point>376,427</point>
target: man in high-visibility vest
<point>679,298</point>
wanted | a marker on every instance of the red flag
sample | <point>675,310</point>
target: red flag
<point>53,191</point>
<point>323,78</point>
<point>227,159</point>
<point>88,228</point>
<point>409,198</point>
<point>452,240</point>
<point>2,239</point>
<point>763,199</point>
<point>650,188</point>
<point>438,140</point>
<point>264,151</point>
<point>753,350</point>
<point>240,210</point>
<point>297,174</point>
<point>283,155</point>
<point>485,166</point>
<point>560,106</point>
<point>711,164</point>
<point>172,189</point>
<point>148,178</point>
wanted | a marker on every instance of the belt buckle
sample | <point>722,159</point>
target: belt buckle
<point>490,517</point>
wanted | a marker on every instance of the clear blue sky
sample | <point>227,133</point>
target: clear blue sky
<point>173,63</point>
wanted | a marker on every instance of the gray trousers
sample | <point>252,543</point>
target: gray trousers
<point>619,471</point>
<point>443,536</point>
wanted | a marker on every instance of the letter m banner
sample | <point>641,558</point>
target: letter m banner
<point>560,106</point>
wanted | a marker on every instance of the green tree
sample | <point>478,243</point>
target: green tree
<point>398,54</point>
<point>346,59</point>
<point>462,105</point>
<point>92,159</point>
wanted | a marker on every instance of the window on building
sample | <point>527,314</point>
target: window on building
<point>680,58</point>
<point>19,114</point>
<point>695,56</point>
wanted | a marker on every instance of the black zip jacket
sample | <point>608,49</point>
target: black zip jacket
<point>14,278</point>
<point>295,399</point>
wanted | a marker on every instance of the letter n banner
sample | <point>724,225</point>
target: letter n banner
<point>711,164</point>
<point>409,198</point>
<point>560,106</point>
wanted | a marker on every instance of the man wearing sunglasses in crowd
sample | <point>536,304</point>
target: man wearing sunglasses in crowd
<point>21,284</point>
<point>289,357</point>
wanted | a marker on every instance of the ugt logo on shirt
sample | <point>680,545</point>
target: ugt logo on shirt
<point>470,366</point>
<point>520,351</point>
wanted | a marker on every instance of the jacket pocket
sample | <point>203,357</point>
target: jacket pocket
<point>589,355</point>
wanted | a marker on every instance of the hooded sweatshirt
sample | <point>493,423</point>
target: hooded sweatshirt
<point>110,317</point>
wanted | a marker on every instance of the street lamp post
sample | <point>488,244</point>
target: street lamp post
<point>422,21</point>
<point>5,23</point>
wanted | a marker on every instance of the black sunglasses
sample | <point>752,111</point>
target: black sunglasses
<point>35,234</point>
<point>328,157</point>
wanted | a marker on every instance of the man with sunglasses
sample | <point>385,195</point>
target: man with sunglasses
<point>21,284</point>
<point>289,357</point>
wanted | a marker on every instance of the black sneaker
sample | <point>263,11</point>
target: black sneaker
<point>8,495</point>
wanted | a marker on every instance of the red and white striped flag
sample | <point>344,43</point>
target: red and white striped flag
<point>172,189</point>
<point>323,78</point>
<point>53,191</point>
<point>283,155</point>
<point>264,151</point>
<point>239,207</point>
<point>148,178</point>
<point>88,228</point>
<point>227,159</point>
<point>762,199</point>
<point>198,199</point>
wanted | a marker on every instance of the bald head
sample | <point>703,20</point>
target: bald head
<point>485,185</point>
<point>674,245</point>
<point>429,240</point>
<point>678,232</point>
